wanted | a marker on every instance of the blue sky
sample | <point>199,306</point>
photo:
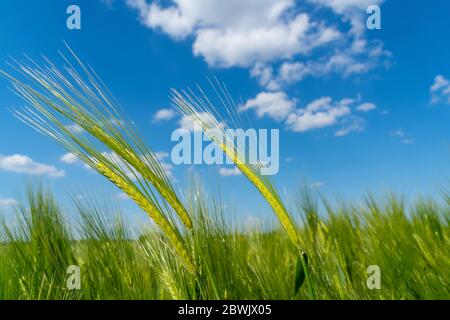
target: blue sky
<point>358,110</point>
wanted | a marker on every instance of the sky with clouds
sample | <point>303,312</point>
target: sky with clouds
<point>358,110</point>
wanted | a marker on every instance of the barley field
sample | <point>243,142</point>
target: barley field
<point>317,249</point>
<point>410,245</point>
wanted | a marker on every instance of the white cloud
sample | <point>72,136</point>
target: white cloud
<point>122,196</point>
<point>129,172</point>
<point>439,83</point>
<point>288,72</point>
<point>164,115</point>
<point>69,158</point>
<point>74,128</point>
<point>347,62</point>
<point>121,164</point>
<point>23,164</point>
<point>292,72</point>
<point>265,75</point>
<point>355,125</point>
<point>228,172</point>
<point>403,136</point>
<point>366,107</point>
<point>398,133</point>
<point>276,39</point>
<point>245,47</point>
<point>161,155</point>
<point>440,90</point>
<point>317,184</point>
<point>408,141</point>
<point>343,6</point>
<point>72,159</point>
<point>188,123</point>
<point>351,10</point>
<point>7,202</point>
<point>276,105</point>
<point>280,42</point>
<point>320,113</point>
<point>169,20</point>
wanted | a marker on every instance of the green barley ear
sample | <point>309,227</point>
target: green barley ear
<point>105,139</point>
<point>143,202</point>
<point>195,107</point>
<point>81,99</point>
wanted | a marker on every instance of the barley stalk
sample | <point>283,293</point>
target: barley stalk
<point>273,200</point>
<point>194,106</point>
<point>57,100</point>
<point>137,163</point>
<point>172,234</point>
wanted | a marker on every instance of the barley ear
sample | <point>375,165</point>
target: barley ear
<point>130,190</point>
<point>195,107</point>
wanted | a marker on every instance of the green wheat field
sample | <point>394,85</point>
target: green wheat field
<point>317,250</point>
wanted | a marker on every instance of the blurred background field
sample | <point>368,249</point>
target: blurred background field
<point>409,242</point>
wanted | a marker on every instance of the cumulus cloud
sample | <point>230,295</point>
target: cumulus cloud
<point>265,75</point>
<point>345,62</point>
<point>169,20</point>
<point>228,172</point>
<point>236,32</point>
<point>354,125</point>
<point>245,47</point>
<point>351,10</point>
<point>23,164</point>
<point>188,123</point>
<point>122,196</point>
<point>320,113</point>
<point>276,105</point>
<point>7,202</point>
<point>113,157</point>
<point>74,128</point>
<point>276,39</point>
<point>280,42</point>
<point>342,6</point>
<point>288,72</point>
<point>366,107</point>
<point>403,137</point>
<point>161,155</point>
<point>317,184</point>
<point>72,159</point>
<point>292,72</point>
<point>164,115</point>
<point>440,90</point>
<point>69,158</point>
